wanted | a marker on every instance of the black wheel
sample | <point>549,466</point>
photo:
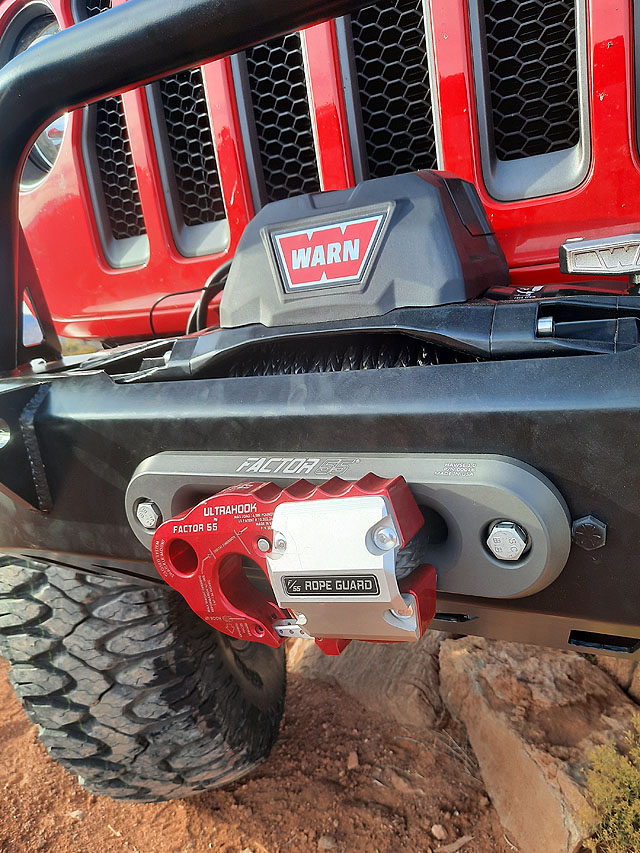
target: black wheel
<point>132,692</point>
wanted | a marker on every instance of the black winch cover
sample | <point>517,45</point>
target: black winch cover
<point>412,240</point>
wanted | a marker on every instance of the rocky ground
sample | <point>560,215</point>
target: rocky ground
<point>389,765</point>
<point>532,717</point>
<point>341,778</point>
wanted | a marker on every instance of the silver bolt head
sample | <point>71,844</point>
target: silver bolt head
<point>148,515</point>
<point>408,610</point>
<point>263,545</point>
<point>507,540</point>
<point>279,542</point>
<point>385,538</point>
<point>403,612</point>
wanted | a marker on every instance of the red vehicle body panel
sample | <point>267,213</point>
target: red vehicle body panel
<point>88,298</point>
<point>531,230</point>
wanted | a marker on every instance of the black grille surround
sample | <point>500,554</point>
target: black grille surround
<point>114,160</point>
<point>390,53</point>
<point>190,138</point>
<point>533,79</point>
<point>280,103</point>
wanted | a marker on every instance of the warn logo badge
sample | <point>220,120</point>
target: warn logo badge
<point>329,254</point>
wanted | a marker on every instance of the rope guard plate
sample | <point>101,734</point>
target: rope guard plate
<point>328,552</point>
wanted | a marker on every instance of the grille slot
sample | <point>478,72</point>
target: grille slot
<point>278,92</point>
<point>191,146</point>
<point>114,160</point>
<point>533,77</point>
<point>390,54</point>
<point>113,152</point>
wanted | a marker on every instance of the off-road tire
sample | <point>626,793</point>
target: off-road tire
<point>132,692</point>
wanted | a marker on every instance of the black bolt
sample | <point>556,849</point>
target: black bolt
<point>589,533</point>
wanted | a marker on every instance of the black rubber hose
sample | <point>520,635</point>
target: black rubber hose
<point>211,289</point>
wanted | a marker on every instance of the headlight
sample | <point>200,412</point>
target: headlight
<point>34,23</point>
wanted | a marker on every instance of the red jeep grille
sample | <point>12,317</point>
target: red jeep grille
<point>532,87</point>
<point>528,100</point>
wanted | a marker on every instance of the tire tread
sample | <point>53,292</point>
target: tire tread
<point>132,693</point>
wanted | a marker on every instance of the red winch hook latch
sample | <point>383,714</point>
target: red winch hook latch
<point>328,553</point>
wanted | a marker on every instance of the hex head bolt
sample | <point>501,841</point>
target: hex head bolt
<point>507,540</point>
<point>149,515</point>
<point>385,538</point>
<point>279,542</point>
<point>589,533</point>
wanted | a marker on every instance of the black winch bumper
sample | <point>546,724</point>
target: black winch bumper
<point>78,438</point>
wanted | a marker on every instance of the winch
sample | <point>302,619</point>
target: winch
<point>329,553</point>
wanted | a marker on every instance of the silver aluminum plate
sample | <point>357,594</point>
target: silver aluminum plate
<point>329,559</point>
<point>605,256</point>
<point>469,492</point>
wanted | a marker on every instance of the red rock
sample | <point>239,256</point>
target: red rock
<point>405,688</point>
<point>634,687</point>
<point>619,669</point>
<point>533,717</point>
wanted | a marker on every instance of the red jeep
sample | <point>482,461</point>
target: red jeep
<point>361,304</point>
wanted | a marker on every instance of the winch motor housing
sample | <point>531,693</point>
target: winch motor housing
<point>408,240</point>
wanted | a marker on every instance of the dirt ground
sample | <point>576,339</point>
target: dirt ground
<point>339,779</point>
